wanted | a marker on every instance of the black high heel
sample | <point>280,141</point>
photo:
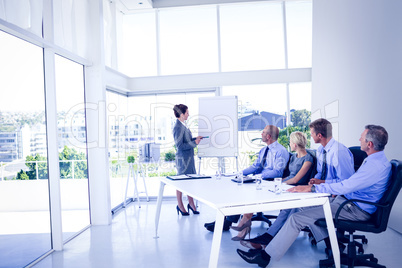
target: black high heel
<point>190,208</point>
<point>182,213</point>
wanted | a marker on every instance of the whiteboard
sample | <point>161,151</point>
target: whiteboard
<point>218,120</point>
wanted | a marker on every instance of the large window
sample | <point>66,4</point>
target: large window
<point>72,146</point>
<point>188,40</point>
<point>299,22</point>
<point>261,105</point>
<point>24,192</point>
<point>139,45</point>
<point>252,37</point>
<point>134,121</point>
<point>205,39</point>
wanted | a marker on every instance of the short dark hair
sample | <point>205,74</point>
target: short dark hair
<point>378,136</point>
<point>322,126</point>
<point>179,109</point>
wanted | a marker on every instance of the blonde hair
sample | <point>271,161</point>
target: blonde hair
<point>299,138</point>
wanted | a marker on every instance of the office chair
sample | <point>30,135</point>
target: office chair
<point>377,224</point>
<point>310,174</point>
<point>358,158</point>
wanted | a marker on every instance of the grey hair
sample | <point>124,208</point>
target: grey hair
<point>378,136</point>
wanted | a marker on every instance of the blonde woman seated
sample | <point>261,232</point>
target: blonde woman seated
<point>299,166</point>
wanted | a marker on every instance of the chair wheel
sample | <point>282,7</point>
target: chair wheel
<point>375,260</point>
<point>364,241</point>
<point>313,242</point>
<point>360,251</point>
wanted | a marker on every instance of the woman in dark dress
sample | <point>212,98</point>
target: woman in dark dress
<point>185,144</point>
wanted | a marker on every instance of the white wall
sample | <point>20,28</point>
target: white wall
<point>357,65</point>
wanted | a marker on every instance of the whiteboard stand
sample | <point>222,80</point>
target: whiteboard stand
<point>134,174</point>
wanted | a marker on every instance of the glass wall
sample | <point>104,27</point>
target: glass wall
<point>139,45</point>
<point>231,37</point>
<point>25,232</point>
<point>134,121</point>
<point>299,24</point>
<point>252,37</point>
<point>261,105</point>
<point>72,146</point>
<point>190,47</point>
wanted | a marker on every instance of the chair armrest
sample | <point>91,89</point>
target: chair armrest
<point>359,201</point>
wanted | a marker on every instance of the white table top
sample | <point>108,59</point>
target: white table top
<point>225,193</point>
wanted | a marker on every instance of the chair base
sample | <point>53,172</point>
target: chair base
<point>367,260</point>
<point>265,218</point>
<point>351,259</point>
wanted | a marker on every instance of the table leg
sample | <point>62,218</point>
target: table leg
<point>332,234</point>
<point>216,240</point>
<point>158,208</point>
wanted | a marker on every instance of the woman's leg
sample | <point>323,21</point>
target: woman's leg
<point>246,217</point>
<point>179,196</point>
<point>191,202</point>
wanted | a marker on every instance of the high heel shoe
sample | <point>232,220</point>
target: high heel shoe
<point>242,235</point>
<point>240,228</point>
<point>190,208</point>
<point>182,213</point>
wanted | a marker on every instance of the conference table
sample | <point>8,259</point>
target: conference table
<point>228,198</point>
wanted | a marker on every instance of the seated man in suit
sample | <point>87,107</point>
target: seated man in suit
<point>271,162</point>
<point>334,164</point>
<point>369,184</point>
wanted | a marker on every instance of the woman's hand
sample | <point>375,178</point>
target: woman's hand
<point>198,139</point>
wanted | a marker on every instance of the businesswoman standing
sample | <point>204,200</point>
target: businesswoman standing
<point>185,144</point>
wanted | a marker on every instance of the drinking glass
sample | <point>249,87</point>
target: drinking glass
<point>278,185</point>
<point>258,180</point>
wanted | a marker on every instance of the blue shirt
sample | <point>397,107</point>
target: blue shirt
<point>368,183</point>
<point>276,161</point>
<point>340,165</point>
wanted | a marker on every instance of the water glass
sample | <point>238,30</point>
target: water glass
<point>278,185</point>
<point>218,174</point>
<point>258,180</point>
<point>239,177</point>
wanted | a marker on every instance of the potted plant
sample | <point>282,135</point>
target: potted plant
<point>130,159</point>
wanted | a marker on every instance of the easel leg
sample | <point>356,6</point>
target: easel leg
<point>136,188</point>
<point>128,178</point>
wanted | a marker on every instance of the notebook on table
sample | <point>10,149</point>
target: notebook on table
<point>188,177</point>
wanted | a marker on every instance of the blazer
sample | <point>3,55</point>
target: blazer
<point>185,144</point>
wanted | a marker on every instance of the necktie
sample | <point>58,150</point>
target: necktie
<point>264,158</point>
<point>324,165</point>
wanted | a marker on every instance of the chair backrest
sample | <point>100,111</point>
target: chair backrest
<point>358,156</point>
<point>286,171</point>
<point>381,216</point>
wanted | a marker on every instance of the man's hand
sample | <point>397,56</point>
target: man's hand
<point>315,181</point>
<point>300,189</point>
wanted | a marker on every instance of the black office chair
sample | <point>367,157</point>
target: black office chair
<point>358,156</point>
<point>377,224</point>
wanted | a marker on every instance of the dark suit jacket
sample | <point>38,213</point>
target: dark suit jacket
<point>185,144</point>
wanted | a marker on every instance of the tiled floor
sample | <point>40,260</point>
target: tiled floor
<point>184,242</point>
